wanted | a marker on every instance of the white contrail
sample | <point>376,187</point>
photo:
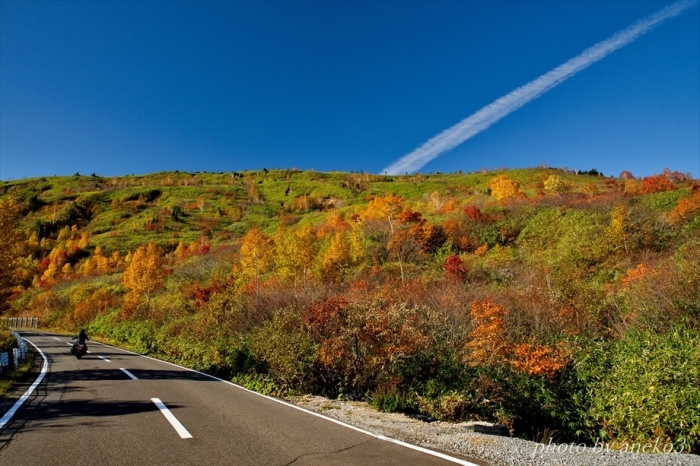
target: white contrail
<point>482,119</point>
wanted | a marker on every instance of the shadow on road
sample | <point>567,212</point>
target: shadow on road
<point>66,413</point>
<point>114,374</point>
<point>92,408</point>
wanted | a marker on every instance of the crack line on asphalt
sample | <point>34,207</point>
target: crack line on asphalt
<point>331,453</point>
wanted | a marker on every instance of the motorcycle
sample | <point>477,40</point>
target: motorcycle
<point>78,349</point>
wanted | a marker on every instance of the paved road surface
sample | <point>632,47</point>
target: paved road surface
<point>90,411</point>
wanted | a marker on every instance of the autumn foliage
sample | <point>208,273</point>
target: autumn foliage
<point>459,296</point>
<point>656,184</point>
<point>12,247</point>
<point>257,254</point>
<point>503,187</point>
<point>487,344</point>
<point>144,275</point>
<point>538,360</point>
<point>687,207</point>
<point>455,269</point>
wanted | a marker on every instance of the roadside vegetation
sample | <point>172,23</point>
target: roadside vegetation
<point>553,302</point>
<point>7,343</point>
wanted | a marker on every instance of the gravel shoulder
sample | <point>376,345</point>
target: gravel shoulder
<point>460,439</point>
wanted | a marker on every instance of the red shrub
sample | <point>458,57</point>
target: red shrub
<point>455,269</point>
<point>656,184</point>
<point>473,212</point>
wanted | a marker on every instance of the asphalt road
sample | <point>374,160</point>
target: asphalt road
<point>90,411</point>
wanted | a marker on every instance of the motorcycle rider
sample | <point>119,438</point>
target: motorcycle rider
<point>81,337</point>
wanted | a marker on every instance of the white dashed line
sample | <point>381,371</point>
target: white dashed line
<point>128,373</point>
<point>102,357</point>
<point>56,338</point>
<point>171,418</point>
<point>449,458</point>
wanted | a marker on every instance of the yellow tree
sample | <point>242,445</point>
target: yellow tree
<point>101,262</point>
<point>295,252</point>
<point>84,241</point>
<point>88,267</point>
<point>257,254</point>
<point>632,187</point>
<point>50,272</point>
<point>358,250</point>
<point>337,258</point>
<point>618,232</point>
<point>388,207</point>
<point>33,243</point>
<point>503,187</point>
<point>64,234</point>
<point>12,249</point>
<point>554,184</point>
<point>146,272</point>
<point>59,256</point>
<point>116,261</point>
<point>181,252</point>
<point>26,269</point>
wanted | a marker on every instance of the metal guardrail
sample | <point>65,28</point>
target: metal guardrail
<point>21,322</point>
<point>8,360</point>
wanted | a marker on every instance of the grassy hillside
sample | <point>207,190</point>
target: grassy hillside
<point>123,207</point>
<point>539,298</point>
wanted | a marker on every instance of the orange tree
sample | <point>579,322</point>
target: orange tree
<point>686,208</point>
<point>656,184</point>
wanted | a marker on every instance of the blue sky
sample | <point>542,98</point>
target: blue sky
<point>136,87</point>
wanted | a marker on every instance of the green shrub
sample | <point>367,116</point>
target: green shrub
<point>260,383</point>
<point>289,354</point>
<point>498,393</point>
<point>138,336</point>
<point>390,401</point>
<point>451,406</point>
<point>663,201</point>
<point>7,340</point>
<point>652,388</point>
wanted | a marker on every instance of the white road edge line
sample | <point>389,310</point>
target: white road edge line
<point>128,373</point>
<point>366,432</point>
<point>102,357</point>
<point>8,415</point>
<point>171,418</point>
